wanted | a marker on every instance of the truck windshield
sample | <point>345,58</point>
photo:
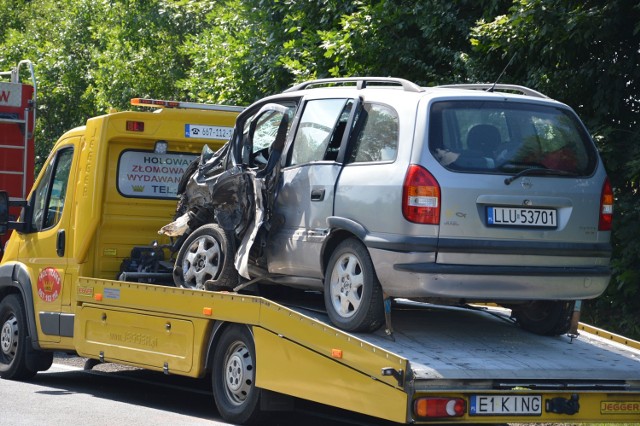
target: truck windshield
<point>509,137</point>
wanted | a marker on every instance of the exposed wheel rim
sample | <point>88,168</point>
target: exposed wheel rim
<point>238,373</point>
<point>347,285</point>
<point>202,261</point>
<point>9,337</point>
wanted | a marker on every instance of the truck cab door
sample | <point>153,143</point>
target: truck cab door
<point>43,244</point>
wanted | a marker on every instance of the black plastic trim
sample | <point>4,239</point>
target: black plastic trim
<point>540,248</point>
<point>50,323</point>
<point>530,271</point>
<point>57,324</point>
<point>16,276</point>
<point>66,324</point>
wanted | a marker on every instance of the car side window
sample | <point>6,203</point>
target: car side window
<point>49,197</point>
<point>320,131</point>
<point>266,129</point>
<point>378,138</point>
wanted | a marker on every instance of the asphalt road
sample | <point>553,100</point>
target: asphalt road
<point>111,394</point>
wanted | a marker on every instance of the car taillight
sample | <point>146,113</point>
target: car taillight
<point>429,408</point>
<point>606,207</point>
<point>421,196</point>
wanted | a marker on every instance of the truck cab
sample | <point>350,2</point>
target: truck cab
<point>106,187</point>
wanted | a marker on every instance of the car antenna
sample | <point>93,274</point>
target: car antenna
<point>501,74</point>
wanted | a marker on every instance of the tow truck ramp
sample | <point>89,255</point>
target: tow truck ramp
<point>440,364</point>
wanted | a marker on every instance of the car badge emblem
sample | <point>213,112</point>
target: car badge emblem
<point>526,183</point>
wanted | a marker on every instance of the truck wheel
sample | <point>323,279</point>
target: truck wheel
<point>234,376</point>
<point>544,317</point>
<point>352,292</point>
<point>206,256</point>
<point>13,340</point>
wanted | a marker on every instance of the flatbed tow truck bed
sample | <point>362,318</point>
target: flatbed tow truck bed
<point>500,372</point>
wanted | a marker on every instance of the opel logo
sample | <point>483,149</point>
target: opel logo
<point>526,183</point>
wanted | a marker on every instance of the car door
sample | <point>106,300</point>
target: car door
<point>306,193</point>
<point>42,247</point>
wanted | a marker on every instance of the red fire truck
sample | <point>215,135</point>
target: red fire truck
<point>17,120</point>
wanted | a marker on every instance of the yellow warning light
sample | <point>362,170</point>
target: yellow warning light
<point>154,103</point>
<point>207,311</point>
<point>97,297</point>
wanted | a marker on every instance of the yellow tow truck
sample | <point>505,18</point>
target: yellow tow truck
<point>76,277</point>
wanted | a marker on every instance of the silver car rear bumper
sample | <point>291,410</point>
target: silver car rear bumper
<point>416,274</point>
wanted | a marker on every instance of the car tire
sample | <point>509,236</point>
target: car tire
<point>544,317</point>
<point>234,376</point>
<point>205,260</point>
<point>352,292</point>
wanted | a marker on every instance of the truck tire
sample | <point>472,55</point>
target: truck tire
<point>352,292</point>
<point>205,260</point>
<point>234,375</point>
<point>544,317</point>
<point>13,340</point>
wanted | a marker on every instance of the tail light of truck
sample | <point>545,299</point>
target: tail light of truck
<point>135,126</point>
<point>429,408</point>
<point>606,207</point>
<point>421,196</point>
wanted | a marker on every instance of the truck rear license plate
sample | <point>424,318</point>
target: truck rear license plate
<point>506,405</point>
<point>515,216</point>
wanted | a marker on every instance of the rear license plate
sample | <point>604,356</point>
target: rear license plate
<point>506,405</point>
<point>516,216</point>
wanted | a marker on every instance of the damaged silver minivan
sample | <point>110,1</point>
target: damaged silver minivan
<point>370,189</point>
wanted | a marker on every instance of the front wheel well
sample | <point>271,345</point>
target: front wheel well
<point>335,237</point>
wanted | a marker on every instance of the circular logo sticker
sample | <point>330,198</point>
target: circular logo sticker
<point>49,284</point>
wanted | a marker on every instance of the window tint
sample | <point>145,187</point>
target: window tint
<point>508,137</point>
<point>320,130</point>
<point>378,137</point>
<point>49,196</point>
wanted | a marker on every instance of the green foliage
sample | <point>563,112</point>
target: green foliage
<point>94,55</point>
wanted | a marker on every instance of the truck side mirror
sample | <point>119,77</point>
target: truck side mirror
<point>4,212</point>
<point>5,223</point>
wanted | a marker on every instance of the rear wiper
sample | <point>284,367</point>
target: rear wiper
<point>538,171</point>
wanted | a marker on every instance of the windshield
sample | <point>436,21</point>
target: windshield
<point>508,137</point>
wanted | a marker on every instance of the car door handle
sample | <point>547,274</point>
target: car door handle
<point>60,243</point>
<point>317,194</point>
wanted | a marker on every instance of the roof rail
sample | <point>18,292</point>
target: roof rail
<point>490,87</point>
<point>360,82</point>
<point>160,103</point>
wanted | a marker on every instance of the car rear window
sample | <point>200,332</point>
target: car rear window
<point>507,137</point>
